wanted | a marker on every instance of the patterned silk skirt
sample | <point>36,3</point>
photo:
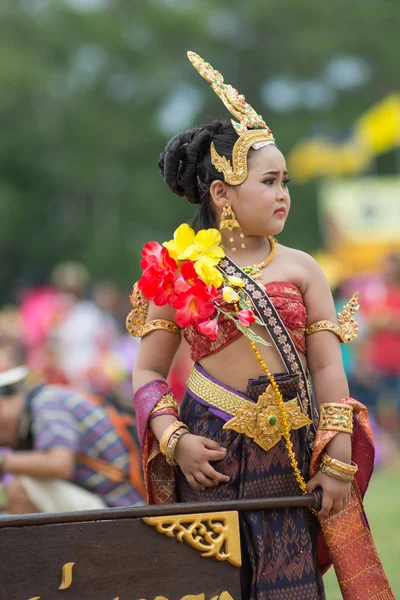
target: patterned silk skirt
<point>279,545</point>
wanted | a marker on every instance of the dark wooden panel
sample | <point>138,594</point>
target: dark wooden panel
<point>313,500</point>
<point>124,559</point>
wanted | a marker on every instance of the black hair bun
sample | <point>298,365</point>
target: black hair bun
<point>179,163</point>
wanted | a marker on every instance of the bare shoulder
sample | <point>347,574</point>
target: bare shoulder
<point>298,256</point>
<point>306,267</point>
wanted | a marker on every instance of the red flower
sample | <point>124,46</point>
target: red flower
<point>246,318</point>
<point>194,305</point>
<point>159,274</point>
<point>209,328</point>
<point>157,257</point>
<point>188,277</point>
<point>158,286</point>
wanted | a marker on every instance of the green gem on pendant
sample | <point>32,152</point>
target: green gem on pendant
<point>272,421</point>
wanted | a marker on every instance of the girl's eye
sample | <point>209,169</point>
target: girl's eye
<point>269,181</point>
<point>286,182</point>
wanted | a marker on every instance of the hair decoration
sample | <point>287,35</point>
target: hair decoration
<point>251,127</point>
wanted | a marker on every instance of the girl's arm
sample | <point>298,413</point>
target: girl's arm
<point>330,383</point>
<point>154,360</point>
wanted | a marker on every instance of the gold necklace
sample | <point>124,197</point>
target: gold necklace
<point>255,271</point>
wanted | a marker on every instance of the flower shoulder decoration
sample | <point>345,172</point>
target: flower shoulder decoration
<point>183,273</point>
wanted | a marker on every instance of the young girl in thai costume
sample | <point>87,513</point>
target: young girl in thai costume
<point>260,320</point>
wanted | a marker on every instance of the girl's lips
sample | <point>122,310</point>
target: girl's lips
<point>280,211</point>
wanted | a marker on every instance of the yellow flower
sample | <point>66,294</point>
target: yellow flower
<point>183,238</point>
<point>207,272</point>
<point>235,281</point>
<point>188,246</point>
<point>229,294</point>
<point>208,242</point>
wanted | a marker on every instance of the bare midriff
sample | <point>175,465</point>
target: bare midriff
<point>235,364</point>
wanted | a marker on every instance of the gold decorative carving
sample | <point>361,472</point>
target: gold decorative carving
<point>214,534</point>
<point>263,422</point>
<point>348,328</point>
<point>66,576</point>
<point>136,320</point>
<point>251,127</point>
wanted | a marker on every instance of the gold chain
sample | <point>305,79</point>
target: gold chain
<point>254,271</point>
<point>285,424</point>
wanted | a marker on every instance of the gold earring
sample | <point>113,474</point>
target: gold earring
<point>229,222</point>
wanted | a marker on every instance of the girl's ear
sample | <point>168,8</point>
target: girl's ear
<point>219,193</point>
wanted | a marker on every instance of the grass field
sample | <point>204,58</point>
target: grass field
<point>382,504</point>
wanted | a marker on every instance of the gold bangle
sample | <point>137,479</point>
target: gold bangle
<point>167,434</point>
<point>338,465</point>
<point>336,417</point>
<point>166,401</point>
<point>331,472</point>
<point>173,440</point>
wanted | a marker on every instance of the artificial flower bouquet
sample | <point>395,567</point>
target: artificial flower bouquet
<point>183,273</point>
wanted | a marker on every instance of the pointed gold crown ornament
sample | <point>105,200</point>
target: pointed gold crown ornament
<point>251,129</point>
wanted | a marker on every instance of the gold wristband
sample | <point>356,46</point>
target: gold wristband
<point>336,474</point>
<point>338,465</point>
<point>167,434</point>
<point>166,401</point>
<point>336,417</point>
<point>172,442</point>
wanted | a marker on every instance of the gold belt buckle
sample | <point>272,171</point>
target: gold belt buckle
<point>262,422</point>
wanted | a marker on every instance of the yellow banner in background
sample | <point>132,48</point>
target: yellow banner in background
<point>379,127</point>
<point>360,221</point>
<point>375,132</point>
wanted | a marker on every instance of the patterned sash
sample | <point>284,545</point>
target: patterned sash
<point>279,335</point>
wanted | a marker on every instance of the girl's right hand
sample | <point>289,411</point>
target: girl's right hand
<point>193,453</point>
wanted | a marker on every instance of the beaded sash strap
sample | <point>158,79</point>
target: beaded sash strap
<point>279,335</point>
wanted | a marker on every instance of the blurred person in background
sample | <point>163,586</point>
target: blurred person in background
<point>63,450</point>
<point>382,345</point>
<point>85,331</point>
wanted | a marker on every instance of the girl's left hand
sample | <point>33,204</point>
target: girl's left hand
<point>336,493</point>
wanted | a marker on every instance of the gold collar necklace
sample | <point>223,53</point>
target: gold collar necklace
<point>255,271</point>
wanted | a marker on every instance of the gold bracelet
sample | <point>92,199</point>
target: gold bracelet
<point>336,474</point>
<point>336,417</point>
<point>338,465</point>
<point>173,440</point>
<point>167,434</point>
<point>166,401</point>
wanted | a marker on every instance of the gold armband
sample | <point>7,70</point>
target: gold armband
<point>136,320</point>
<point>336,417</point>
<point>171,446</point>
<point>165,402</point>
<point>347,330</point>
<point>164,440</point>
<point>338,465</point>
<point>336,474</point>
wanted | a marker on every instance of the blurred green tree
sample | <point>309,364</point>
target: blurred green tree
<point>93,89</point>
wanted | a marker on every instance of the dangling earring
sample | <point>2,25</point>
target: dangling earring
<point>229,222</point>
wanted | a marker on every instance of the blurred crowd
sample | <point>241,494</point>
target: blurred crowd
<point>372,362</point>
<point>71,331</point>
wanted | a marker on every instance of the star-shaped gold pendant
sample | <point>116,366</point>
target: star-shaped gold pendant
<point>262,422</point>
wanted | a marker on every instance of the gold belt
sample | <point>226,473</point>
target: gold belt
<point>261,421</point>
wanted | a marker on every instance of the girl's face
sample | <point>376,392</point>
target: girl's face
<point>261,204</point>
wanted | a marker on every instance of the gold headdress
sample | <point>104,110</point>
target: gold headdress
<point>251,128</point>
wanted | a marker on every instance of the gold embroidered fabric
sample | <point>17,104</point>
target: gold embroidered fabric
<point>165,402</point>
<point>262,421</point>
<point>136,320</point>
<point>347,330</point>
